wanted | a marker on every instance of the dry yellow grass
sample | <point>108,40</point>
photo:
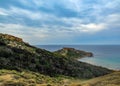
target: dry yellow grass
<point>112,79</point>
<point>6,77</point>
<point>27,78</point>
<point>14,78</point>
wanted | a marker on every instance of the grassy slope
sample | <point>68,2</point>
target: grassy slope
<point>112,79</point>
<point>28,78</point>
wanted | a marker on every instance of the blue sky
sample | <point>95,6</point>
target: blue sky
<point>62,21</point>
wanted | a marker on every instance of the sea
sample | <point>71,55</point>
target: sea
<point>104,55</point>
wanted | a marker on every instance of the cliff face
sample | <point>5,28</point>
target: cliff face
<point>73,53</point>
<point>18,55</point>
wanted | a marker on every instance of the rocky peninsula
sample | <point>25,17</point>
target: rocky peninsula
<point>73,53</point>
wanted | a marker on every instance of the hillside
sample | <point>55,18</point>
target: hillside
<point>18,55</point>
<point>29,78</point>
<point>112,79</point>
<point>73,53</point>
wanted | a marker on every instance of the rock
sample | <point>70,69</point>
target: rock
<point>89,54</point>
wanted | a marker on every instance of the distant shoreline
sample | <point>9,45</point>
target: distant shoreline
<point>102,53</point>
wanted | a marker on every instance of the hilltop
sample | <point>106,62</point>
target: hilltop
<point>73,53</point>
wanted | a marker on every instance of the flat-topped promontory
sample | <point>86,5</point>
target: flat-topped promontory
<point>73,53</point>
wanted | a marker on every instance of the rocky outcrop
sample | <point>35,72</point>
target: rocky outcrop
<point>10,40</point>
<point>16,42</point>
<point>89,54</point>
<point>10,37</point>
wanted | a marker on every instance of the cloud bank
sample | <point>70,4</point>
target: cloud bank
<point>64,21</point>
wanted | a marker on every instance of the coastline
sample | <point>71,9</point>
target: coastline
<point>107,55</point>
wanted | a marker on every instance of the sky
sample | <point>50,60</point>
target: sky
<point>78,22</point>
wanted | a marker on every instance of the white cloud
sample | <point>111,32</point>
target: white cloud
<point>39,3</point>
<point>27,13</point>
<point>19,12</point>
<point>92,27</point>
<point>39,35</point>
<point>76,24</point>
<point>27,33</point>
<point>67,27</point>
<point>30,14</point>
<point>113,18</point>
<point>74,5</point>
<point>112,4</point>
<point>3,12</point>
<point>48,32</point>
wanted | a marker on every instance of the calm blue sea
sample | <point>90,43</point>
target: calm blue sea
<point>104,55</point>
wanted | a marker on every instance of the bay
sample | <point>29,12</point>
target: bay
<point>104,55</point>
